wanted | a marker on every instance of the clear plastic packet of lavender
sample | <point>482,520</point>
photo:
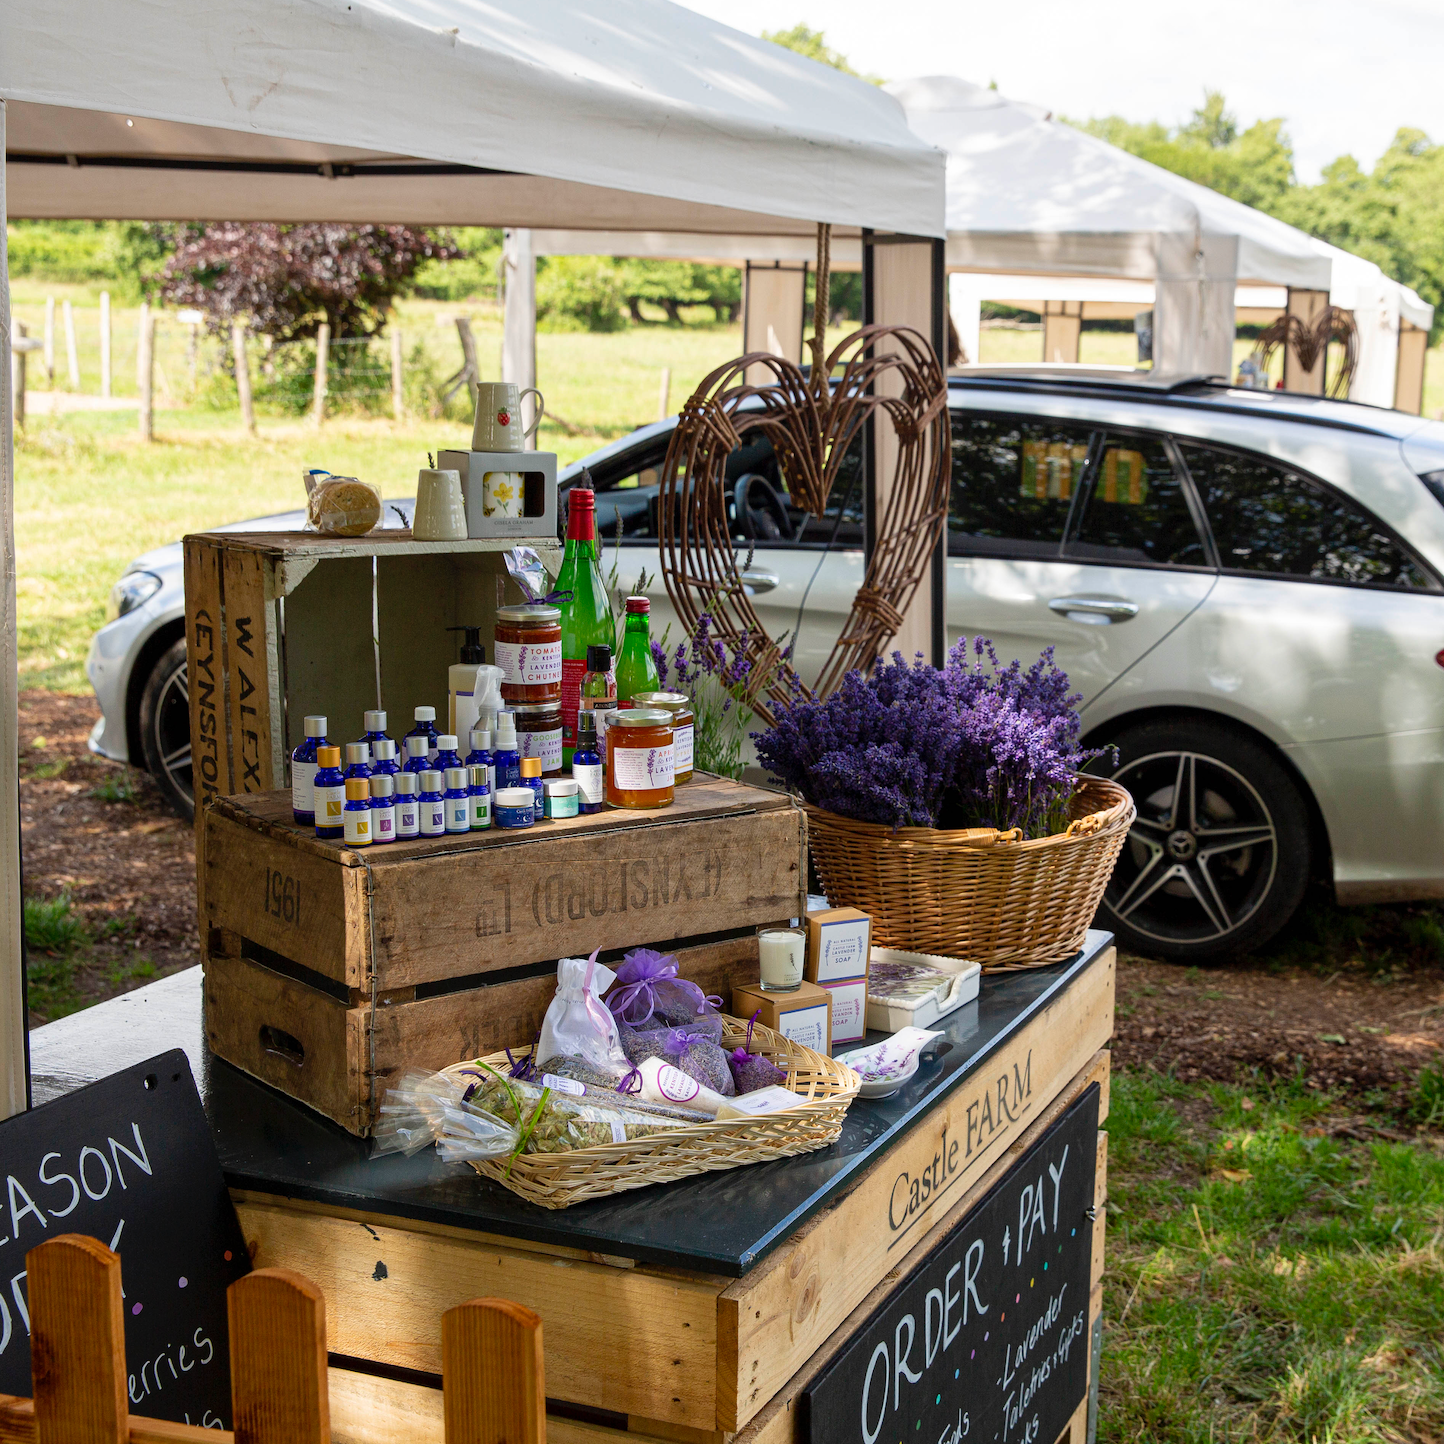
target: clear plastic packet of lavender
<point>430,1108</point>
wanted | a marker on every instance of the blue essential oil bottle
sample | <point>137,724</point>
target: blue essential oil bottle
<point>531,777</point>
<point>458,801</point>
<point>408,811</point>
<point>328,792</point>
<point>432,805</point>
<point>480,754</point>
<point>383,758</point>
<point>479,790</point>
<point>383,807</point>
<point>416,754</point>
<point>303,771</point>
<point>425,727</point>
<point>447,755</point>
<point>356,815</point>
<point>506,759</point>
<point>358,761</point>
<point>587,764</point>
<point>375,724</point>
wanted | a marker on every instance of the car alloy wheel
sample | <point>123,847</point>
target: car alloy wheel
<point>165,726</point>
<point>1217,859</point>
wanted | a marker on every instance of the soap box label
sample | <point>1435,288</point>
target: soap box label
<point>849,1010</point>
<point>807,1026</point>
<point>837,945</point>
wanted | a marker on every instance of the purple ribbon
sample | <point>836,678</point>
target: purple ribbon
<point>632,1082</point>
<point>640,973</point>
<point>744,1054</point>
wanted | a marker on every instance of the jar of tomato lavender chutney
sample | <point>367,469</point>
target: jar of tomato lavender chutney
<point>639,758</point>
<point>528,650</point>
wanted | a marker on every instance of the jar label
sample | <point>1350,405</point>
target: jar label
<point>406,823</point>
<point>676,1086</point>
<point>545,745</point>
<point>642,769</point>
<point>303,777</point>
<point>573,670</point>
<point>530,664</point>
<point>329,803</point>
<point>682,748</point>
<point>433,819</point>
<point>559,1084</point>
<point>588,778</point>
<point>358,826</point>
<point>458,814</point>
<point>383,820</point>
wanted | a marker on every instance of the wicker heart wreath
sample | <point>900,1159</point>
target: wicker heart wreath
<point>810,425</point>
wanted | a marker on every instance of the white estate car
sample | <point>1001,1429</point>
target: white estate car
<point>1244,586</point>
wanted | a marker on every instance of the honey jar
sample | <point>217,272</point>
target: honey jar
<point>683,725</point>
<point>639,758</point>
<point>529,652</point>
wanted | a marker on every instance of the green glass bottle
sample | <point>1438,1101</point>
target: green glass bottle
<point>636,671</point>
<point>587,619</point>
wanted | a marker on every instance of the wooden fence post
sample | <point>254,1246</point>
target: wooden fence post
<point>278,1359</point>
<point>323,351</point>
<point>491,1370</point>
<point>145,369</point>
<point>398,400</point>
<point>17,379</point>
<point>72,360</point>
<point>50,341</point>
<point>105,343</point>
<point>665,395</point>
<point>77,1343</point>
<point>243,375</point>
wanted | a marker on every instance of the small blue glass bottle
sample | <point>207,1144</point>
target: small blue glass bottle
<point>458,801</point>
<point>383,808</point>
<point>431,805</point>
<point>447,754</point>
<point>480,754</point>
<point>587,764</point>
<point>358,761</point>
<point>479,790</point>
<point>329,792</point>
<point>531,777</point>
<point>383,758</point>
<point>356,816</point>
<point>303,771</point>
<point>425,727</point>
<point>506,759</point>
<point>375,724</point>
<point>416,755</point>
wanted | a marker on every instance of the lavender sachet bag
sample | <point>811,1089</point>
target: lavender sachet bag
<point>649,995</point>
<point>751,1071</point>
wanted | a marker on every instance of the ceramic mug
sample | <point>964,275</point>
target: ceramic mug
<point>503,493</point>
<point>440,513</point>
<point>498,416</point>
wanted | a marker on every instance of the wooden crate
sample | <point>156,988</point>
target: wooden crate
<point>698,1357</point>
<point>329,970</point>
<point>280,625</point>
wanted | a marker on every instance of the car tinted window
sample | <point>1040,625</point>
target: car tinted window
<point>1266,519</point>
<point>627,489</point>
<point>1135,509</point>
<point>1014,479</point>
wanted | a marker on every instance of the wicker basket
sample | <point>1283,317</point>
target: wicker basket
<point>977,894</point>
<point>558,1180</point>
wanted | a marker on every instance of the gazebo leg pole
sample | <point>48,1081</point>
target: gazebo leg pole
<point>14,1071</point>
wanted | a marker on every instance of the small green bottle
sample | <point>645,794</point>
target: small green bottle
<point>636,671</point>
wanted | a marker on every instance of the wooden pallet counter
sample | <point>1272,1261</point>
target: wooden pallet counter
<point>699,1310</point>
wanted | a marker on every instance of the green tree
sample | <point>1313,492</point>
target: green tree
<point>813,44</point>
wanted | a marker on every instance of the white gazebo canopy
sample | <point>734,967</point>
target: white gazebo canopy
<point>553,112</point>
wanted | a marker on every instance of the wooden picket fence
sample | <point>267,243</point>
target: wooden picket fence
<point>491,1353</point>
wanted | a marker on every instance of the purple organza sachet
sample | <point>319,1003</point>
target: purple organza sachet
<point>687,1049</point>
<point>649,995</point>
<point>751,1071</point>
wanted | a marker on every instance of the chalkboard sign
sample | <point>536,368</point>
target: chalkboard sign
<point>130,1161</point>
<point>986,1342</point>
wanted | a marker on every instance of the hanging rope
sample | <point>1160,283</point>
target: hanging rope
<point>821,304</point>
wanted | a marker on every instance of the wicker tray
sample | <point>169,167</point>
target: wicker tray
<point>977,894</point>
<point>558,1180</point>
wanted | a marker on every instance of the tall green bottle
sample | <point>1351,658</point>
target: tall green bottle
<point>636,670</point>
<point>586,619</point>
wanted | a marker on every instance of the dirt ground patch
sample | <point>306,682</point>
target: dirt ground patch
<point>100,835</point>
<point>1349,1001</point>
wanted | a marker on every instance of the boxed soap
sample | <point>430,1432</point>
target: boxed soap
<point>804,1016</point>
<point>837,945</point>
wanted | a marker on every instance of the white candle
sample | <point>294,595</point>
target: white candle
<point>780,952</point>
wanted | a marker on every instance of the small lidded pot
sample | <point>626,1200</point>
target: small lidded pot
<point>528,650</point>
<point>560,798</point>
<point>514,807</point>
<point>683,725</point>
<point>639,758</point>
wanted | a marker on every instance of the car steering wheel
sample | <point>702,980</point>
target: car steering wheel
<point>761,514</point>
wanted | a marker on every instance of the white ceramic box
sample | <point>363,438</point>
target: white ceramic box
<point>539,488</point>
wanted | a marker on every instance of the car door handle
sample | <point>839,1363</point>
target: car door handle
<point>759,582</point>
<point>1094,611</point>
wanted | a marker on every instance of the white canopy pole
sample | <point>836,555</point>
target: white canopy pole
<point>518,326</point>
<point>13,1085</point>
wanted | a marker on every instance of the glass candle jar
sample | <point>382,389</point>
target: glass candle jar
<point>683,725</point>
<point>528,650</point>
<point>781,952</point>
<point>639,758</point>
<point>539,734</point>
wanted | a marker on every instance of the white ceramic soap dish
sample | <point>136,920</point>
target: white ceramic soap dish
<point>884,1067</point>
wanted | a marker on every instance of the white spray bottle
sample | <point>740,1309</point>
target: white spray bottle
<point>472,685</point>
